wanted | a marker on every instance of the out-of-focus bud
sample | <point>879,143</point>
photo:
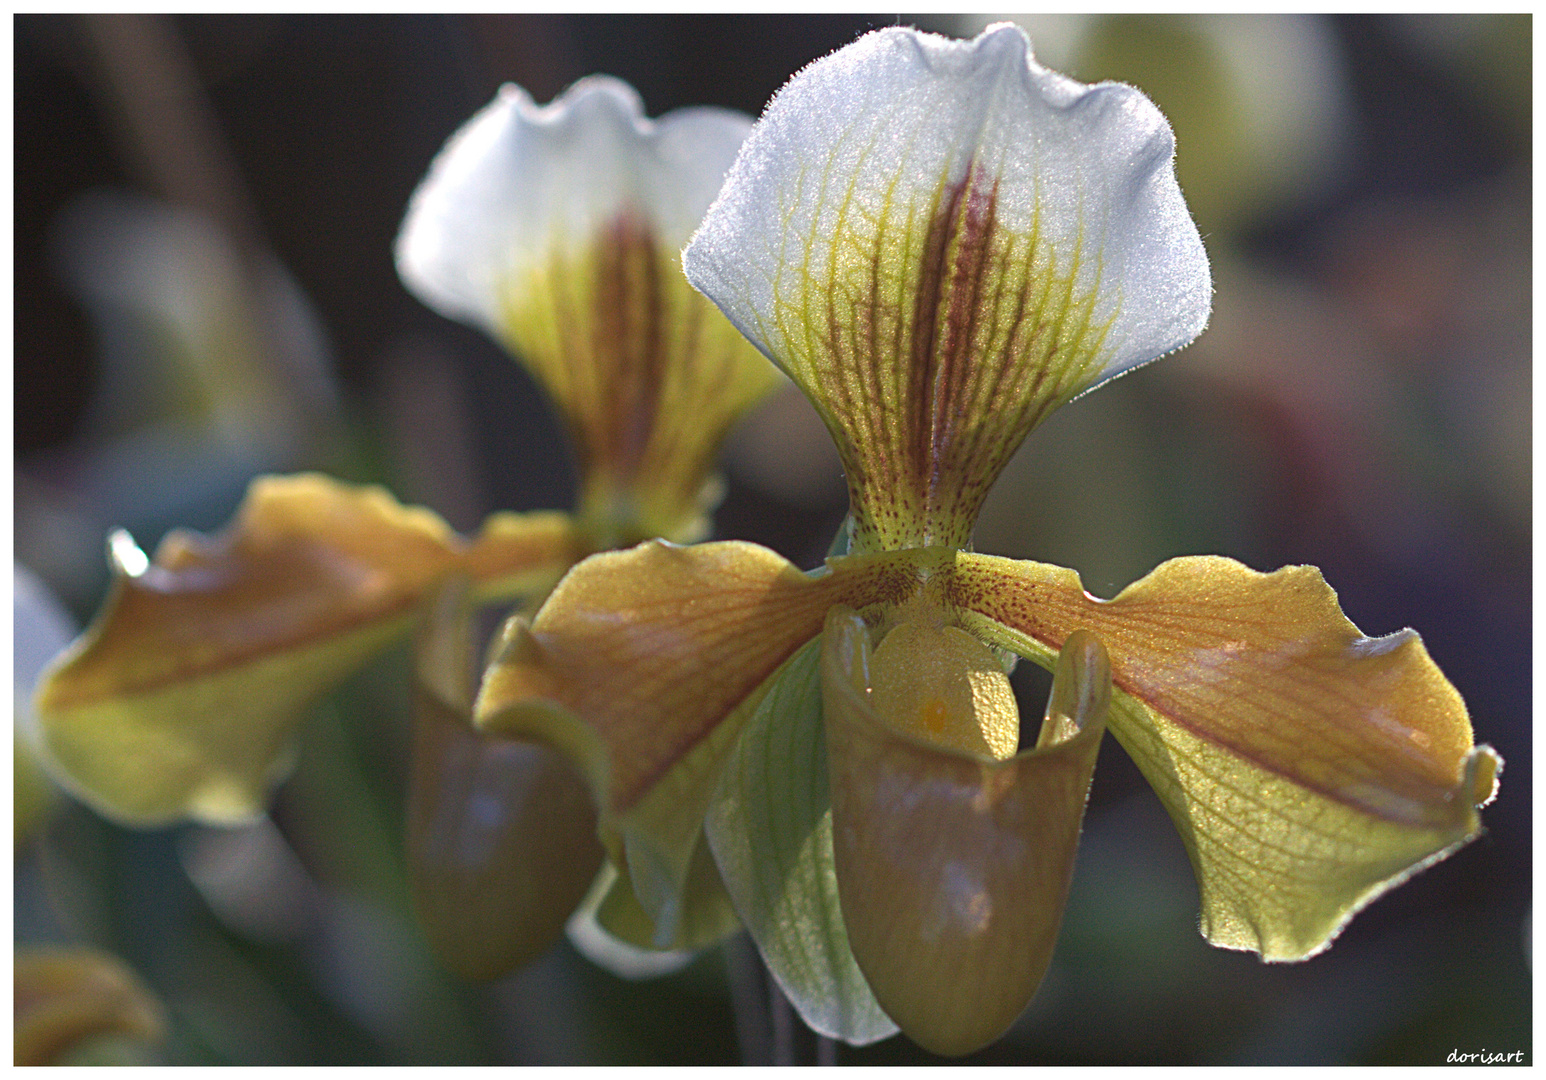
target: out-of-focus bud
<point>78,1006</point>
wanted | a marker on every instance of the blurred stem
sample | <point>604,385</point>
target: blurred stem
<point>767,1027</point>
<point>168,129</point>
<point>170,137</point>
<point>783,1024</point>
<point>746,975</point>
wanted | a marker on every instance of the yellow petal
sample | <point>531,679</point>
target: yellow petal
<point>642,664</point>
<point>501,834</point>
<point>954,868</point>
<point>523,555</point>
<point>65,997</point>
<point>180,698</point>
<point>1309,768</point>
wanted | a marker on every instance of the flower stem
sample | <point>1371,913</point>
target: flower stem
<point>745,973</point>
<point>767,1027</point>
<point>784,1024</point>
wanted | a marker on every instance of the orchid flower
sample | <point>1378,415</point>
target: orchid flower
<point>558,230</point>
<point>940,242</point>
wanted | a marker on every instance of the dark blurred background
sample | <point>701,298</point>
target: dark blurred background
<point>204,215</point>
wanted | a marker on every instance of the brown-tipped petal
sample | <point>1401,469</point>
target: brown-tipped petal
<point>953,869</point>
<point>643,663</point>
<point>1309,768</point>
<point>65,998</point>
<point>501,834</point>
<point>180,698</point>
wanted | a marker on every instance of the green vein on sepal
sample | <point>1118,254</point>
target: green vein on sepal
<point>770,828</point>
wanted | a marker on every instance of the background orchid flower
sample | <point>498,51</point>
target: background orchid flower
<point>558,230</point>
<point>941,242</point>
<point>81,1006</point>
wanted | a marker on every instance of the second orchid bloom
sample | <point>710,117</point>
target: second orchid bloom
<point>941,242</point>
<point>557,229</point>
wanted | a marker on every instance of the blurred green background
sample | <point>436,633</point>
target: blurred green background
<point>1361,402</point>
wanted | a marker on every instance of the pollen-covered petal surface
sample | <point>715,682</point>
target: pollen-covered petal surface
<point>1308,768</point>
<point>941,241</point>
<point>954,868</point>
<point>941,685</point>
<point>180,698</point>
<point>557,229</point>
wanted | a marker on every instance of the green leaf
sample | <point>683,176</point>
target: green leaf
<point>770,828</point>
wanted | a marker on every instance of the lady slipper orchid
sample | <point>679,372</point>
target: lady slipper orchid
<point>941,242</point>
<point>558,230</point>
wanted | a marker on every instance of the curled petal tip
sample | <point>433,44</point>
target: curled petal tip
<point>1081,689</point>
<point>1483,768</point>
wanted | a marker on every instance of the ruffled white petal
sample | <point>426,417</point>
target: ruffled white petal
<point>864,141</point>
<point>519,180</point>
